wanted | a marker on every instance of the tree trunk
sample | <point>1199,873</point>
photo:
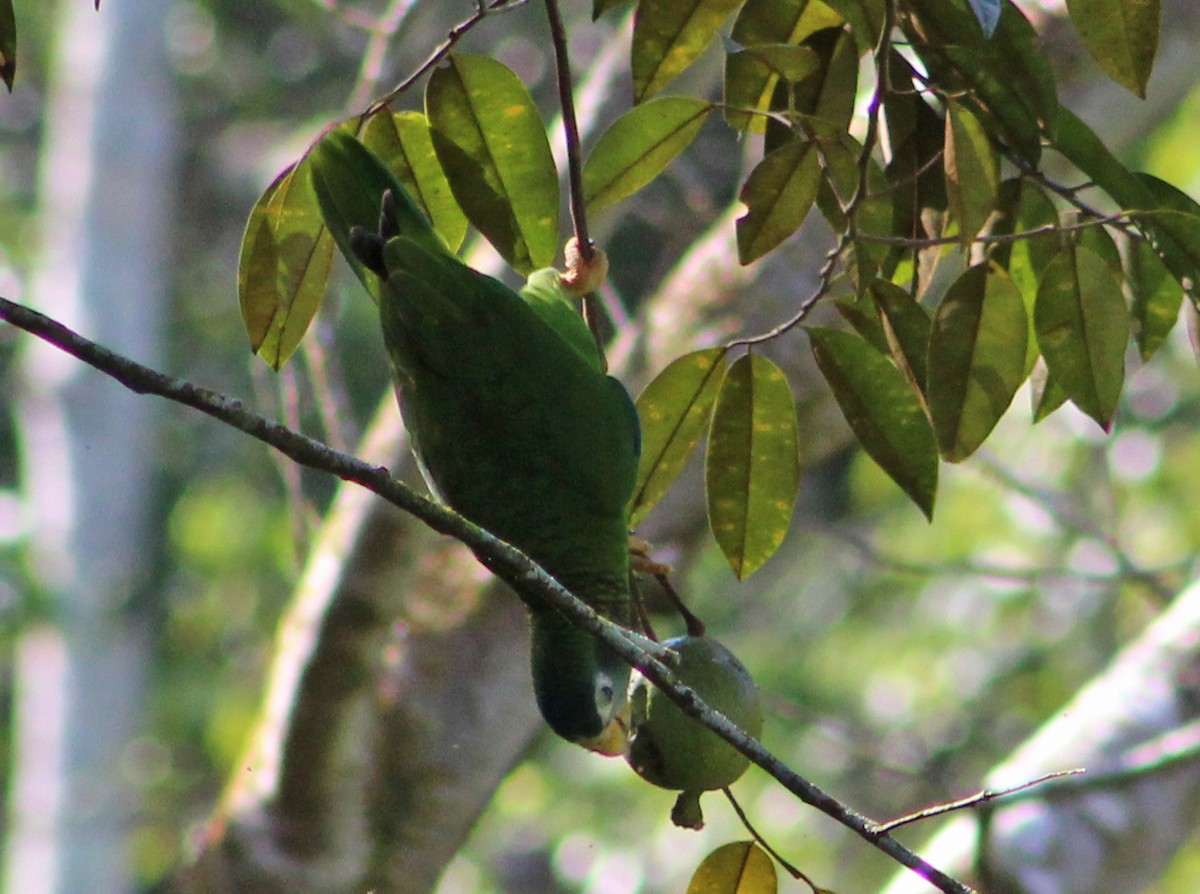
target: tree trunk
<point>88,449</point>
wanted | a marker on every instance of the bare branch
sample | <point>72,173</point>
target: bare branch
<point>532,583</point>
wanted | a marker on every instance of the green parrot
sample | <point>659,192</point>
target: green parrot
<point>516,426</point>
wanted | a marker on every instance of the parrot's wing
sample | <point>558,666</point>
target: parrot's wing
<point>474,361</point>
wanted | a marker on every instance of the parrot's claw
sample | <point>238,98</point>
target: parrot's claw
<point>639,554</point>
<point>389,218</point>
<point>368,248</point>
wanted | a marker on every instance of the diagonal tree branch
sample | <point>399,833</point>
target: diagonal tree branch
<point>532,583</point>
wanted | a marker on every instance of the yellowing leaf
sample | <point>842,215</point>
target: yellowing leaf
<point>752,469</point>
<point>1082,328</point>
<point>1156,298</point>
<point>1045,395</point>
<point>882,411</point>
<point>668,36</point>
<point>639,144</point>
<point>977,351</point>
<point>284,265</point>
<point>673,411</point>
<point>749,81</point>
<point>751,76</point>
<point>972,170</point>
<point>491,142</point>
<point>906,325</point>
<point>778,195</point>
<point>741,867</point>
<point>1121,35</point>
<point>402,140</point>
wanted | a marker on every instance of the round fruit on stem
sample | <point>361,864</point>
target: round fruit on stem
<point>672,750</point>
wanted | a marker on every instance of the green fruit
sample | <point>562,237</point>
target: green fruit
<point>672,750</point>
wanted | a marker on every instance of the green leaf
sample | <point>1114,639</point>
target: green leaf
<point>976,358</point>
<point>674,411</point>
<point>1156,297</point>
<point>668,36</point>
<point>1045,394</point>
<point>751,76</point>
<point>491,142</point>
<point>972,170</point>
<point>1173,225</point>
<point>829,97</point>
<point>781,21</point>
<point>1121,35</point>
<point>1169,221</point>
<point>916,138</point>
<point>753,466</point>
<point>600,7</point>
<point>778,195</point>
<point>638,146</point>
<point>865,18</point>
<point>284,265</point>
<point>1023,207</point>
<point>1082,327</point>
<point>749,81</point>
<point>8,44</point>
<point>1098,240</point>
<point>402,141</point>
<point>1007,75</point>
<point>882,410</point>
<point>876,215</point>
<point>906,325</point>
<point>741,867</point>
<point>861,312</point>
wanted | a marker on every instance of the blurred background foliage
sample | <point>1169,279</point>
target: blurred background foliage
<point>900,660</point>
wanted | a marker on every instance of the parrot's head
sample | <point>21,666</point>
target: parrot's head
<point>581,692</point>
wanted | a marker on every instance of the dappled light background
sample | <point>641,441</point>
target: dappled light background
<point>900,660</point>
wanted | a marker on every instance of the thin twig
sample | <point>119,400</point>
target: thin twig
<point>455,34</point>
<point>566,101</point>
<point>762,842</point>
<point>382,30</point>
<point>512,566</point>
<point>861,191</point>
<point>996,239</point>
<point>975,800</point>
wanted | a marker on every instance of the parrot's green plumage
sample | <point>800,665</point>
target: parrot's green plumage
<point>517,427</point>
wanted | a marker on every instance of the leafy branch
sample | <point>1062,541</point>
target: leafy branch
<point>508,563</point>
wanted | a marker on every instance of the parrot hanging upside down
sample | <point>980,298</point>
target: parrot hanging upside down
<point>516,426</point>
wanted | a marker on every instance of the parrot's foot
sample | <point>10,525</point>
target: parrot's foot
<point>639,557</point>
<point>584,275</point>
<point>368,246</point>
<point>641,563</point>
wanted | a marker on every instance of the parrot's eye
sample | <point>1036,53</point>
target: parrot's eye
<point>605,694</point>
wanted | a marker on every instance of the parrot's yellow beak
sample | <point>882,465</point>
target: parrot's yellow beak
<point>613,741</point>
